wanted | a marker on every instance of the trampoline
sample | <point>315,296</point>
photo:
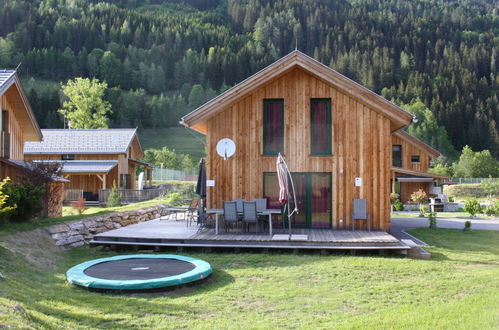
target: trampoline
<point>138,272</point>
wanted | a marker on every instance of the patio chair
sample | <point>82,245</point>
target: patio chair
<point>261,205</point>
<point>250,215</point>
<point>239,205</point>
<point>191,212</point>
<point>230,214</point>
<point>360,212</point>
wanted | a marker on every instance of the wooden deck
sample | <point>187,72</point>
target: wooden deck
<point>171,233</point>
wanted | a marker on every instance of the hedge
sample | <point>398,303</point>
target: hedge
<point>466,190</point>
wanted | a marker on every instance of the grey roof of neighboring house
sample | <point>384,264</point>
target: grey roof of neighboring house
<point>22,163</point>
<point>82,141</point>
<point>7,77</point>
<point>84,166</point>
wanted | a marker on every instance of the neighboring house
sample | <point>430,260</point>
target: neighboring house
<point>410,164</point>
<point>17,123</point>
<point>18,126</point>
<point>330,129</point>
<point>92,159</point>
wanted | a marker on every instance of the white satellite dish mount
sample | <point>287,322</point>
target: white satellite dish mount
<point>226,148</point>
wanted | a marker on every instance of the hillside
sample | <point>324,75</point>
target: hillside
<point>164,58</point>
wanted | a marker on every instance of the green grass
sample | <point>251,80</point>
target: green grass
<point>415,214</point>
<point>457,289</point>
<point>69,215</point>
<point>183,140</point>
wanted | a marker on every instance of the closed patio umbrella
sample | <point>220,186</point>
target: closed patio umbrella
<point>201,186</point>
<point>284,177</point>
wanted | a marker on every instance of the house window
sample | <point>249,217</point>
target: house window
<point>125,181</point>
<point>5,136</point>
<point>5,121</point>
<point>320,127</point>
<point>273,126</point>
<point>415,159</point>
<point>397,155</point>
<point>68,157</point>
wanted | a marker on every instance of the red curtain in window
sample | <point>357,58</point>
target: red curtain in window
<point>273,126</point>
<point>320,127</point>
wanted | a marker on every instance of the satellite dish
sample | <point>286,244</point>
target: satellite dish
<point>226,148</point>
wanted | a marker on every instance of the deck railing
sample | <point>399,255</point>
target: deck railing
<point>129,196</point>
<point>71,195</point>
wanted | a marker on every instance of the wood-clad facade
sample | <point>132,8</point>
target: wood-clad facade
<point>361,141</point>
<point>17,124</point>
<point>411,150</point>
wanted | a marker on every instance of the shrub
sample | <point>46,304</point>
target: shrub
<point>394,197</point>
<point>490,187</point>
<point>423,209</point>
<point>432,220</point>
<point>467,225</point>
<point>492,208</point>
<point>114,198</point>
<point>398,206</point>
<point>472,206</point>
<point>26,199</point>
<point>79,206</point>
<point>174,198</point>
<point>420,198</point>
<point>475,190</point>
<point>5,210</point>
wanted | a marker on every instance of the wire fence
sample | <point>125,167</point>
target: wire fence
<point>166,174</point>
<point>471,180</point>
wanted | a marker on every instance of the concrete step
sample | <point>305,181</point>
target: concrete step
<point>415,251</point>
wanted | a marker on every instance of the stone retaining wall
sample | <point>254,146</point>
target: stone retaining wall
<point>76,233</point>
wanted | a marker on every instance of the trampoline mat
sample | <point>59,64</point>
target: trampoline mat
<point>139,269</point>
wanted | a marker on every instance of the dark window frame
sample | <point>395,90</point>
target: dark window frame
<point>267,151</point>
<point>401,158</point>
<point>68,157</point>
<point>329,151</point>
<point>415,162</point>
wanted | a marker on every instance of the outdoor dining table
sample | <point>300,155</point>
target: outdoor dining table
<point>267,212</point>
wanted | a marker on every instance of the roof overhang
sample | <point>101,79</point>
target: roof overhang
<point>24,165</point>
<point>140,162</point>
<point>13,90</point>
<point>417,142</point>
<point>80,167</point>
<point>296,59</point>
<point>135,139</point>
<point>414,179</point>
<point>418,173</point>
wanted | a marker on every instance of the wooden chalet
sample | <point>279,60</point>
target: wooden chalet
<point>335,134</point>
<point>410,164</point>
<point>19,126</point>
<point>92,159</point>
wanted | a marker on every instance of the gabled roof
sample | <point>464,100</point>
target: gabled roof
<point>10,85</point>
<point>7,78</point>
<point>397,115</point>
<point>417,142</point>
<point>84,141</point>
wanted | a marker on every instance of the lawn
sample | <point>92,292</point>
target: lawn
<point>70,215</point>
<point>463,215</point>
<point>456,289</point>
<point>183,140</point>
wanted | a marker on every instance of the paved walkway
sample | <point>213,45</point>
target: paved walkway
<point>400,225</point>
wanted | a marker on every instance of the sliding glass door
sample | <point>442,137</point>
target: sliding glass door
<point>313,198</point>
